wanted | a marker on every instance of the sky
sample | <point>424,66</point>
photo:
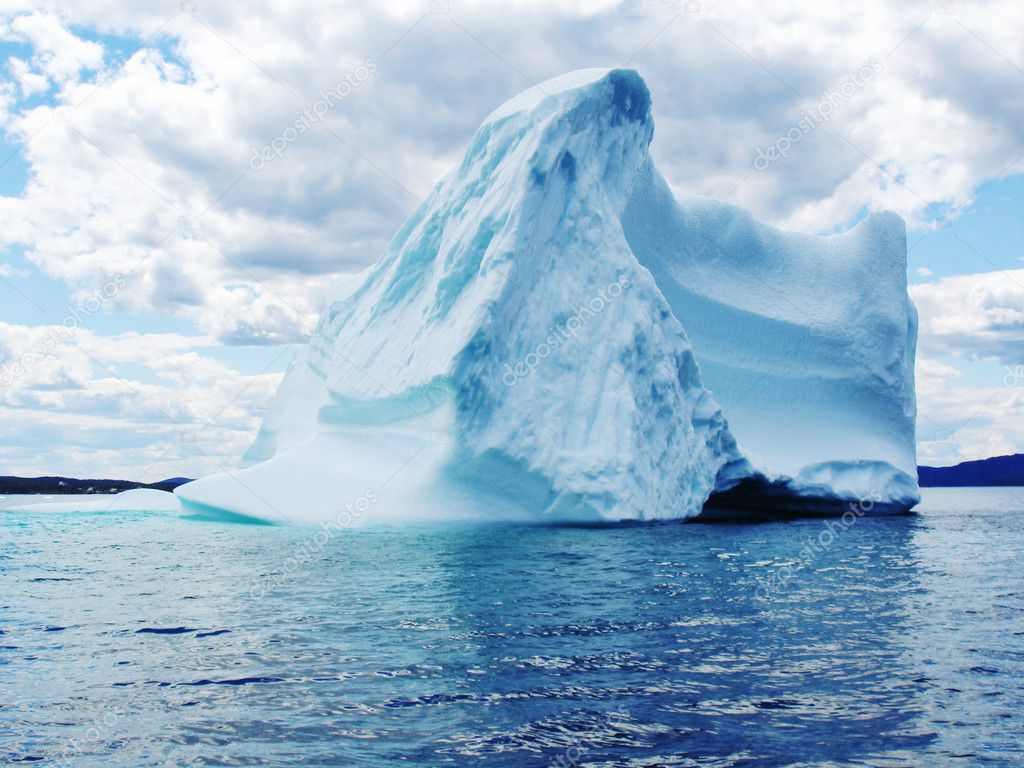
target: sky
<point>181,183</point>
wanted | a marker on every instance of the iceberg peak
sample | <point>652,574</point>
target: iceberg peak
<point>521,349</point>
<point>611,91</point>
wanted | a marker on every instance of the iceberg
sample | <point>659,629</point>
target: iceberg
<point>552,336</point>
<point>134,500</point>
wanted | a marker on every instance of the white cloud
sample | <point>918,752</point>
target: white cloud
<point>9,270</point>
<point>144,170</point>
<point>975,321</point>
<point>958,422</point>
<point>136,405</point>
<point>977,316</point>
<point>58,55</point>
<point>29,82</point>
<point>166,139</point>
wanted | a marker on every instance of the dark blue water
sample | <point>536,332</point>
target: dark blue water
<point>146,640</point>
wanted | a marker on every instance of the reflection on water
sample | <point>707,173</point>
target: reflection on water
<point>145,640</point>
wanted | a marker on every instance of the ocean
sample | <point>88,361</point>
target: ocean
<point>135,639</point>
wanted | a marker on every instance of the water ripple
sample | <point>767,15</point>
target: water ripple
<point>178,643</point>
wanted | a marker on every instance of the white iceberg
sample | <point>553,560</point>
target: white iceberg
<point>135,500</point>
<point>519,351</point>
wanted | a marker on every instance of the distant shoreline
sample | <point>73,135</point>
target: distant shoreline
<point>10,485</point>
<point>997,471</point>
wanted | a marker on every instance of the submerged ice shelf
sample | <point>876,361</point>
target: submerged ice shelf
<point>553,336</point>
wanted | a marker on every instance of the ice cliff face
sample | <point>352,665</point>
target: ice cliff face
<point>806,342</point>
<point>519,350</point>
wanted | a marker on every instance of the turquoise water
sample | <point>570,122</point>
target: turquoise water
<point>134,639</point>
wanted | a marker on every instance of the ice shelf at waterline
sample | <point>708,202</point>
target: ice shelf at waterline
<point>553,336</point>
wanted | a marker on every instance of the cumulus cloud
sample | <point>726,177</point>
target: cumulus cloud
<point>146,165</point>
<point>8,270</point>
<point>958,421</point>
<point>977,316</point>
<point>137,405</point>
<point>58,55</point>
<point>141,166</point>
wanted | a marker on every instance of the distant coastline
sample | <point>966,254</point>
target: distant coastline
<point>9,484</point>
<point>995,471</point>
